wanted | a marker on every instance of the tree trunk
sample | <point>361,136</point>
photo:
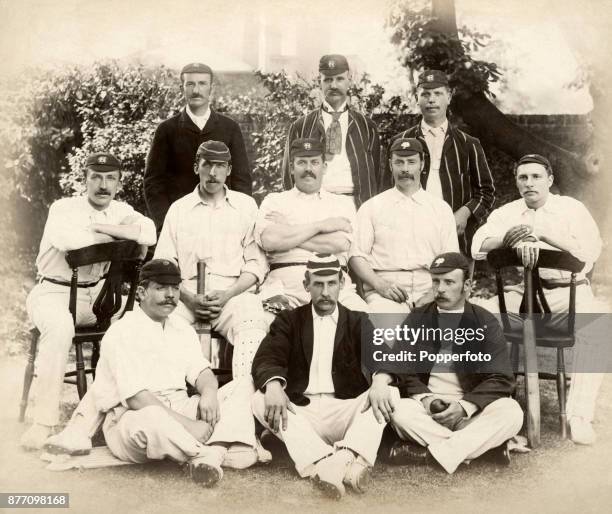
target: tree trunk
<point>488,123</point>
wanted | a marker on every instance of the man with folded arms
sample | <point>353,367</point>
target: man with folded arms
<point>540,219</point>
<point>312,391</point>
<point>456,412</point>
<point>399,232</point>
<point>293,224</point>
<point>73,223</point>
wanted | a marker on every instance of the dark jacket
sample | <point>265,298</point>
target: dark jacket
<point>464,175</point>
<point>362,150</point>
<point>287,352</point>
<point>169,172</point>
<point>482,382</point>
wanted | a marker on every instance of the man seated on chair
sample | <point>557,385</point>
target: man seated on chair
<point>293,224</point>
<point>215,224</point>
<point>147,358</point>
<point>74,222</point>
<point>313,393</point>
<point>399,232</point>
<point>541,219</point>
<point>455,413</point>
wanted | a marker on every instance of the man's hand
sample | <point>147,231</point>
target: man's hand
<point>277,404</point>
<point>379,398</point>
<point>276,217</point>
<point>336,224</point>
<point>462,215</point>
<point>216,300</point>
<point>528,253</point>
<point>516,234</point>
<point>390,291</point>
<point>451,416</point>
<point>427,402</point>
<point>199,429</point>
<point>202,307</point>
<point>208,408</point>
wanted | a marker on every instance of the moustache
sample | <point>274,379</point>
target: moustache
<point>440,297</point>
<point>169,302</point>
<point>407,175</point>
<point>308,174</point>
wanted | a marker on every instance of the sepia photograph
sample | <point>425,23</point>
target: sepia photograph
<point>271,255</point>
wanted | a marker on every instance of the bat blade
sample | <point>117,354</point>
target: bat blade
<point>203,328</point>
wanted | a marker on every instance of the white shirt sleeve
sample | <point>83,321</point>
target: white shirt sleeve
<point>268,205</point>
<point>496,226</point>
<point>167,245</point>
<point>364,237</point>
<point>65,228</point>
<point>196,363</point>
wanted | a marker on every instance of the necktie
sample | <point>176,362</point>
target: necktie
<point>333,134</point>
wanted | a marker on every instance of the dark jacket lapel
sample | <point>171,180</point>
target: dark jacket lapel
<point>307,335</point>
<point>186,122</point>
<point>341,327</point>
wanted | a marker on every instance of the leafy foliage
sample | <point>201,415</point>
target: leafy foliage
<point>422,46</point>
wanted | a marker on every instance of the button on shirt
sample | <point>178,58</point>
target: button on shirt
<point>324,332</point>
<point>140,354</point>
<point>200,121</point>
<point>221,235</point>
<point>298,208</point>
<point>561,215</point>
<point>397,232</point>
<point>434,138</point>
<point>68,227</point>
<point>338,177</point>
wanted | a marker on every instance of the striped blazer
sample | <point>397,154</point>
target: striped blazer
<point>464,175</point>
<point>362,150</point>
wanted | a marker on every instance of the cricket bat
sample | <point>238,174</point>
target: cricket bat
<point>202,328</point>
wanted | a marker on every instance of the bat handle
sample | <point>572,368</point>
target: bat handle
<point>201,269</point>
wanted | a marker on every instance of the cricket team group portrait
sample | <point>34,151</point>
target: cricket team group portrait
<point>258,291</point>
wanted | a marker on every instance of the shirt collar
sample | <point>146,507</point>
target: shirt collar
<point>93,211</point>
<point>418,197</point>
<point>300,194</point>
<point>343,107</point>
<point>551,205</point>
<point>144,319</point>
<point>426,128</point>
<point>194,197</point>
<point>333,316</point>
<point>195,118</point>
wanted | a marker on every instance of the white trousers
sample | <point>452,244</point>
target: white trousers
<point>326,423</point>
<point>592,341</point>
<point>498,422</point>
<point>241,322</point>
<point>47,307</point>
<point>152,433</point>
<point>416,283</point>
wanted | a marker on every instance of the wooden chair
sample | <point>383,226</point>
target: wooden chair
<point>534,305</point>
<point>125,258</point>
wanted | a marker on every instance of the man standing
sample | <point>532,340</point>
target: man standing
<point>147,358</point>
<point>169,169</point>
<point>215,224</point>
<point>399,232</point>
<point>312,390</point>
<point>541,219</point>
<point>352,147</point>
<point>456,412</point>
<point>73,223</point>
<point>293,224</point>
<point>456,168</point>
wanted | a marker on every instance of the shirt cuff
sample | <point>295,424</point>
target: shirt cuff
<point>194,373</point>
<point>282,380</point>
<point>469,408</point>
<point>420,396</point>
